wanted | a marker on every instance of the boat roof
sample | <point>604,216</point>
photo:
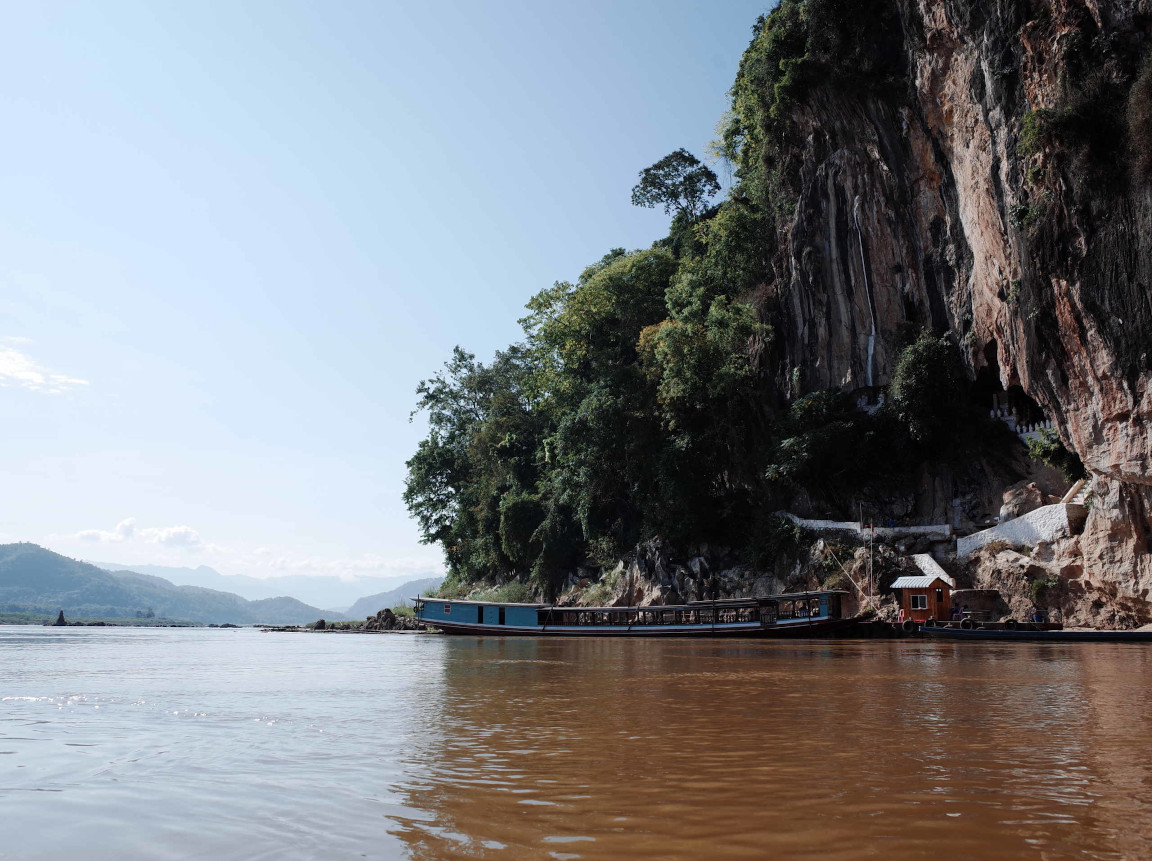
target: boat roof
<point>425,598</point>
<point>719,602</point>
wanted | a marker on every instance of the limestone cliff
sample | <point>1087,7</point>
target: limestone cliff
<point>989,191</point>
<point>981,168</point>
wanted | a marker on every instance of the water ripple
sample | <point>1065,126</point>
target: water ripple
<point>234,744</point>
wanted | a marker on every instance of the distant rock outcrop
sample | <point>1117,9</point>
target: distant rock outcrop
<point>386,620</point>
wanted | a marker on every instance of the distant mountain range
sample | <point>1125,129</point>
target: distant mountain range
<point>33,579</point>
<point>318,591</point>
<point>372,604</point>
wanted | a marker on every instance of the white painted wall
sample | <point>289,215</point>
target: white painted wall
<point>1046,523</point>
<point>931,568</point>
<point>822,525</point>
<point>941,531</point>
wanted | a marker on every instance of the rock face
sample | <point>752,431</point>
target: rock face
<point>1020,498</point>
<point>653,575</point>
<point>386,620</point>
<point>979,198</point>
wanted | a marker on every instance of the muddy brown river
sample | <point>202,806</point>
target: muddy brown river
<point>236,744</point>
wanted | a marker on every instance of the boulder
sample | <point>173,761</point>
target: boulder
<point>1020,498</point>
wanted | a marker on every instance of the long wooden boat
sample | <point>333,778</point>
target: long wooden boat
<point>800,614</point>
<point>1033,636</point>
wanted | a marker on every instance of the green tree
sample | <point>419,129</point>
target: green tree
<point>481,447</point>
<point>678,182</point>
<point>927,393</point>
<point>599,406</point>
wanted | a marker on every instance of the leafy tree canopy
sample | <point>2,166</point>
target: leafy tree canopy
<point>679,183</point>
<point>927,392</point>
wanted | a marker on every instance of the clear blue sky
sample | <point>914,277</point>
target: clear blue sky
<point>235,235</point>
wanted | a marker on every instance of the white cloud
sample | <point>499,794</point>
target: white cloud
<point>349,568</point>
<point>184,537</point>
<point>172,536</point>
<point>19,369</point>
<point>124,531</point>
<point>171,545</point>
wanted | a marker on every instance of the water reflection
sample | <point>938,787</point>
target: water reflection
<point>645,749</point>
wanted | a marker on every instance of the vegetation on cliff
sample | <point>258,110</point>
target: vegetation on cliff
<point>846,45</point>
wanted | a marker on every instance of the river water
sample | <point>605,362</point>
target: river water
<point>235,744</point>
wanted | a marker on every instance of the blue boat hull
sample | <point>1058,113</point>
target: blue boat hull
<point>1038,636</point>
<point>816,628</point>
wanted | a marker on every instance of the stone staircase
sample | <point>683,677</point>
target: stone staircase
<point>1077,494</point>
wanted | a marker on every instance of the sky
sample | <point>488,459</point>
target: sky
<point>234,236</point>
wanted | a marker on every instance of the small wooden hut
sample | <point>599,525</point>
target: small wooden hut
<point>927,595</point>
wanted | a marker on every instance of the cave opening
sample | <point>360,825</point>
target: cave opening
<point>986,389</point>
<point>989,393</point>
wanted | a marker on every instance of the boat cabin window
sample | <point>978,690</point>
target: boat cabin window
<point>919,602</point>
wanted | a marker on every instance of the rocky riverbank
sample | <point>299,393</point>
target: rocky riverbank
<point>384,621</point>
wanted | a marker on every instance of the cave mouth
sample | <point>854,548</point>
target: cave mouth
<point>1016,402</point>
<point>989,393</point>
<point>986,389</point>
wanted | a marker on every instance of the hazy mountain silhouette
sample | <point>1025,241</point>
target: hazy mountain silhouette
<point>370,605</point>
<point>322,591</point>
<point>33,579</point>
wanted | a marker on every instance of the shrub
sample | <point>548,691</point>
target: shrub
<point>512,592</point>
<point>450,588</point>
<point>770,538</point>
<point>1042,587</point>
<point>1034,133</point>
<point>838,580</point>
<point>1050,450</point>
<point>602,591</point>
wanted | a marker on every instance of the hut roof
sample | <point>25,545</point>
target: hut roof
<point>920,582</point>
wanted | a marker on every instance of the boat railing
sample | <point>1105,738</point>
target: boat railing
<point>629,617</point>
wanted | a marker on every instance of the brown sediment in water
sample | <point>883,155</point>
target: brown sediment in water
<point>613,749</point>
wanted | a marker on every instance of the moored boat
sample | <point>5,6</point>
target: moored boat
<point>800,614</point>
<point>1037,636</point>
